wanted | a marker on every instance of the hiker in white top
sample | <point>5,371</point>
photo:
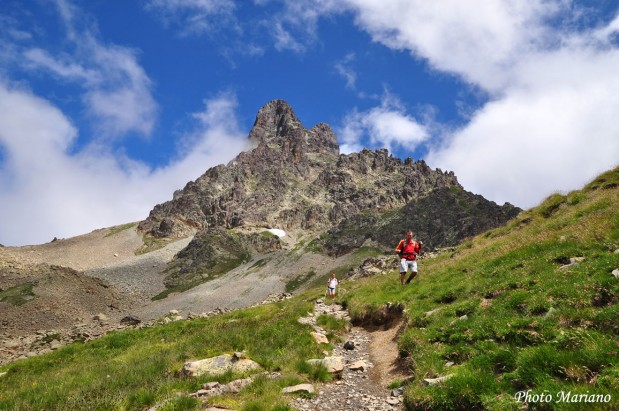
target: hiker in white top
<point>331,284</point>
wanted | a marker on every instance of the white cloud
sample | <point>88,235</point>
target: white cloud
<point>385,126</point>
<point>123,101</point>
<point>284,39</point>
<point>549,123</point>
<point>217,139</point>
<point>476,40</point>
<point>295,27</point>
<point>37,57</point>
<point>46,190</point>
<point>553,132</point>
<point>343,69</point>
<point>605,33</point>
<point>195,17</point>
<point>116,90</point>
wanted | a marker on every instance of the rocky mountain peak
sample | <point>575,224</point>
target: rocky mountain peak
<point>277,128</point>
<point>294,179</point>
<point>275,120</point>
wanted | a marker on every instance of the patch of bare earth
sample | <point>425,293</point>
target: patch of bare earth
<point>384,352</point>
<point>98,248</point>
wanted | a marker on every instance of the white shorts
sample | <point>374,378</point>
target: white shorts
<point>406,264</point>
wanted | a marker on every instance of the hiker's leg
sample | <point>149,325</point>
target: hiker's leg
<point>413,266</point>
<point>403,270</point>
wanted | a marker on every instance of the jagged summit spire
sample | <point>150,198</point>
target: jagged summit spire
<point>274,119</point>
<point>277,125</point>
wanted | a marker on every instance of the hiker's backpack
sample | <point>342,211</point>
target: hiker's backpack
<point>402,243</point>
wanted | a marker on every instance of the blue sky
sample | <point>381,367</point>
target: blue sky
<point>107,107</point>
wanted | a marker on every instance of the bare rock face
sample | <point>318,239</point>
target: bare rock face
<point>293,178</point>
<point>276,126</point>
<point>443,217</point>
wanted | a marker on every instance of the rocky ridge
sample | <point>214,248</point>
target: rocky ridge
<point>293,178</point>
<point>215,252</point>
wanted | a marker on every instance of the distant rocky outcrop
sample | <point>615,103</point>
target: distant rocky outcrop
<point>294,178</point>
<point>442,218</point>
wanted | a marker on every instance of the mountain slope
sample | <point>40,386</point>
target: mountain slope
<point>294,179</point>
<point>533,305</point>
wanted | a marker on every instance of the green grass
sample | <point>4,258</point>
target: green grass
<point>330,323</point>
<point>268,234</point>
<point>152,244</point>
<point>299,280</point>
<point>367,252</point>
<point>117,229</point>
<point>316,246</point>
<point>18,295</point>
<point>501,314</point>
<point>177,289</point>
<point>315,372</point>
<point>134,369</point>
<point>260,263</point>
<point>530,323</point>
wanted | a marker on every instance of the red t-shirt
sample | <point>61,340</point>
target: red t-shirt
<point>408,250</point>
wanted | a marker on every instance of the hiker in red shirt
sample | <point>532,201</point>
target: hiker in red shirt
<point>407,250</point>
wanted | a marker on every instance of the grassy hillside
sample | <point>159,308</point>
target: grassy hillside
<point>532,305</point>
<point>529,306</point>
<point>136,369</point>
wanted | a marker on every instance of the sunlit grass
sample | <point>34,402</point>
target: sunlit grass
<point>507,311</point>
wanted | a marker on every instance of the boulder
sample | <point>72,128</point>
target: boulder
<point>308,388</point>
<point>320,338</point>
<point>435,381</point>
<point>219,365</point>
<point>397,392</point>
<point>100,317</point>
<point>358,365</point>
<point>130,320</point>
<point>334,365</point>
<point>237,385</point>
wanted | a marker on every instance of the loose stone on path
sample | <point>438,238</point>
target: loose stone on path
<point>355,389</point>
